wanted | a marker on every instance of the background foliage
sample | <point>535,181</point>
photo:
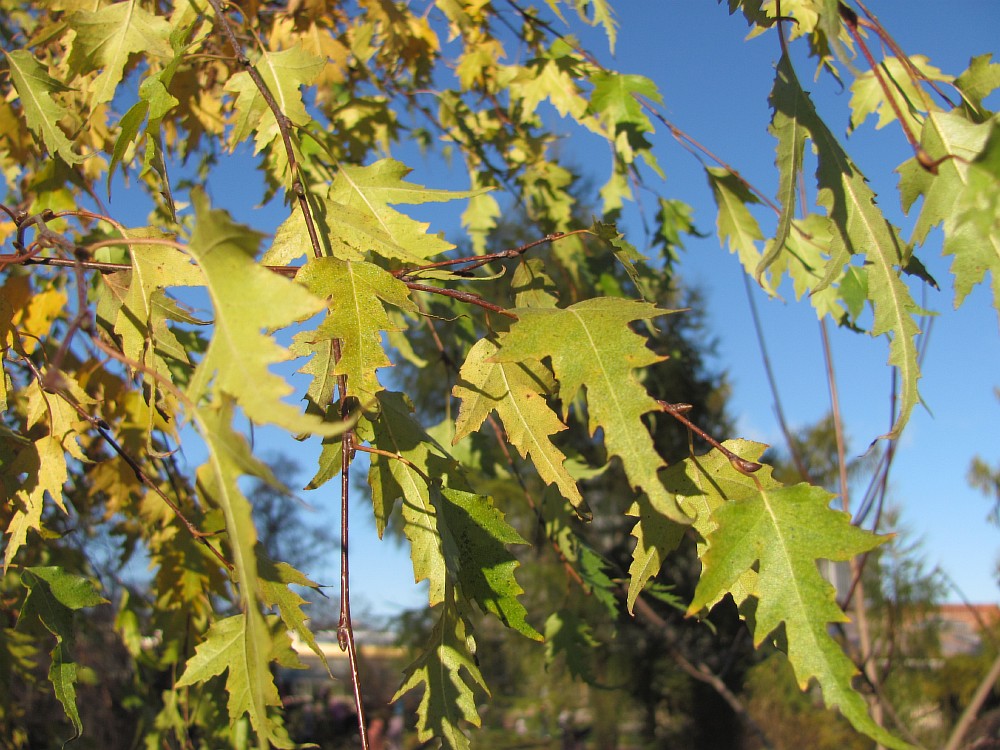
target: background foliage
<point>544,378</point>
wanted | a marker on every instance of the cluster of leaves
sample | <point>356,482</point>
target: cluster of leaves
<point>107,365</point>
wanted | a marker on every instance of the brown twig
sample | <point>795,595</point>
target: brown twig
<point>104,430</point>
<point>284,124</point>
<point>475,261</point>
<point>741,465</point>
<point>851,20</point>
<point>469,297</point>
<point>772,381</point>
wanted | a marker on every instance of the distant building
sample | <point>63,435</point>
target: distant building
<point>960,626</point>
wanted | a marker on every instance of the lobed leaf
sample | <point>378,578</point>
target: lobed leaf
<point>284,73</point>
<point>449,674</point>
<point>474,539</point>
<point>780,533</point>
<point>356,316</point>
<point>516,391</point>
<point>35,88</point>
<point>859,228</point>
<point>106,39</point>
<point>962,197</point>
<point>590,343</point>
<point>53,596</point>
<point>247,300</point>
<point>241,644</point>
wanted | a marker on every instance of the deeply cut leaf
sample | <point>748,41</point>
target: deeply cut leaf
<point>590,344</point>
<point>247,300</point>
<point>781,533</point>
<point>516,391</point>
<point>450,677</point>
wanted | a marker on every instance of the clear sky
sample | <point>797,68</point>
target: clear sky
<point>715,87</point>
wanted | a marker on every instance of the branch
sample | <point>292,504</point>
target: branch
<point>972,710</point>
<point>701,672</point>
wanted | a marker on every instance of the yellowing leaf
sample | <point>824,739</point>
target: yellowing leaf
<point>155,267</point>
<point>516,391</point>
<point>368,193</point>
<point>590,344</point>
<point>868,97</point>
<point>356,316</point>
<point>396,431</point>
<point>35,88</point>
<point>44,465</point>
<point>106,38</point>
<point>284,73</point>
<point>735,222</point>
<point>241,644</point>
<point>247,300</point>
<point>963,197</point>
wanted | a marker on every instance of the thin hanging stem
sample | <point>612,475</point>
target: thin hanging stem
<point>779,411</point>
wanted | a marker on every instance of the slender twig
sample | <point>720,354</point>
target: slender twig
<point>701,672</point>
<point>851,20</point>
<point>793,447</point>
<point>875,25</point>
<point>475,261</point>
<point>472,299</point>
<point>284,124</point>
<point>104,430</point>
<point>677,411</point>
<point>394,456</point>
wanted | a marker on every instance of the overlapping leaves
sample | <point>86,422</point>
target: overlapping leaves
<point>590,344</point>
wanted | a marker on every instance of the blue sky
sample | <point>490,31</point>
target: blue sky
<point>715,87</point>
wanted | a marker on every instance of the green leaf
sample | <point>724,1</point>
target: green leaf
<point>962,197</point>
<point>705,483</point>
<point>781,533</point>
<point>791,137</point>
<point>234,647</point>
<point>107,38</point>
<point>155,267</point>
<point>736,225</point>
<point>614,99</point>
<point>356,316</point>
<point>859,228</point>
<point>516,391</point>
<point>450,676</point>
<point>980,80</point>
<point>53,596</point>
<point>475,536</point>
<point>275,580</point>
<point>590,343</point>
<point>35,88</point>
<point>625,253</point>
<point>367,194</point>
<point>284,73</point>
<point>408,479</point>
<point>242,643</point>
<point>571,636</point>
<point>247,300</point>
<point>868,97</point>
<point>978,224</point>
